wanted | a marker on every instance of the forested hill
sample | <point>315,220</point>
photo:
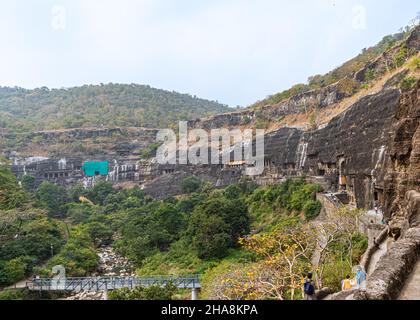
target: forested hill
<point>97,105</point>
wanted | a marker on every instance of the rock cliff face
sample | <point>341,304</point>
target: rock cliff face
<point>314,99</point>
<point>116,143</point>
<point>353,146</point>
<point>403,166</point>
<point>397,270</point>
<point>378,134</point>
<point>383,63</point>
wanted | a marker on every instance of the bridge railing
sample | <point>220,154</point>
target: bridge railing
<point>111,283</point>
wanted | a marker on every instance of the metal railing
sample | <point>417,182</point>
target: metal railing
<point>111,283</point>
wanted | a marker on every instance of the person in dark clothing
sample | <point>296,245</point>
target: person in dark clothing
<point>309,288</point>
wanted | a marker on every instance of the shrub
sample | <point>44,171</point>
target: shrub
<point>311,209</point>
<point>370,75</point>
<point>414,63</point>
<point>78,256</point>
<point>99,233</point>
<point>28,183</point>
<point>408,83</point>
<point>12,295</point>
<point>11,196</point>
<point>53,198</point>
<point>400,57</point>
<point>141,293</point>
<point>191,184</point>
<point>246,120</point>
<point>13,270</point>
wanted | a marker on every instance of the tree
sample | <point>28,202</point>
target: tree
<point>311,209</point>
<point>100,192</point>
<point>78,255</point>
<point>52,197</point>
<point>220,220</point>
<point>211,237</point>
<point>28,183</point>
<point>31,238</point>
<point>11,195</point>
<point>191,184</point>
<point>99,232</point>
<point>336,237</point>
<point>284,255</point>
<point>14,270</point>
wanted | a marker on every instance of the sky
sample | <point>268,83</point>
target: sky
<point>232,51</point>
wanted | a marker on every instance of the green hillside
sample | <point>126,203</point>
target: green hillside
<point>99,105</point>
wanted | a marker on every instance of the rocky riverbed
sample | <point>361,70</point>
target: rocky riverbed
<point>111,265</point>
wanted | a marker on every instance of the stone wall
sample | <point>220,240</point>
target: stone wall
<point>394,268</point>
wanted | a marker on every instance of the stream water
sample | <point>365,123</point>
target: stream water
<point>111,265</point>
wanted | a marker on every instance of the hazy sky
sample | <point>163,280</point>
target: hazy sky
<point>233,51</point>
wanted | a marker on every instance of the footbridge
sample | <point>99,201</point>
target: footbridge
<point>93,284</point>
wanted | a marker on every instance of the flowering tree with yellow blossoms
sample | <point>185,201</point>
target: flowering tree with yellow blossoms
<point>283,257</point>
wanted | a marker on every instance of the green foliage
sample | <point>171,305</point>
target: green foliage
<point>211,238</point>
<point>79,212</point>
<point>53,198</point>
<point>181,258</point>
<point>150,228</point>
<point>278,97</point>
<point>125,199</point>
<point>311,209</point>
<point>334,272</point>
<point>78,255</point>
<point>14,270</point>
<point>216,225</point>
<point>99,232</point>
<point>28,183</point>
<point>262,124</point>
<point>408,83</point>
<point>142,293</point>
<point>246,120</point>
<point>414,63</point>
<point>343,256</point>
<point>401,57</point>
<point>31,238</point>
<point>25,242</point>
<point>75,192</point>
<point>187,204</point>
<point>12,295</point>
<point>93,106</point>
<point>11,195</point>
<point>370,75</point>
<point>150,150</point>
<point>100,192</point>
<point>270,205</point>
<point>312,120</point>
<point>191,184</point>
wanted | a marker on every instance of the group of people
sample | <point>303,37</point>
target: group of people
<point>308,284</point>
<point>353,283</point>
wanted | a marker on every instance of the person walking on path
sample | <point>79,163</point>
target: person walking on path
<point>346,284</point>
<point>360,276</point>
<point>309,288</point>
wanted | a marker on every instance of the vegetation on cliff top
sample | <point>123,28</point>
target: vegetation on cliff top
<point>109,105</point>
<point>347,69</point>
